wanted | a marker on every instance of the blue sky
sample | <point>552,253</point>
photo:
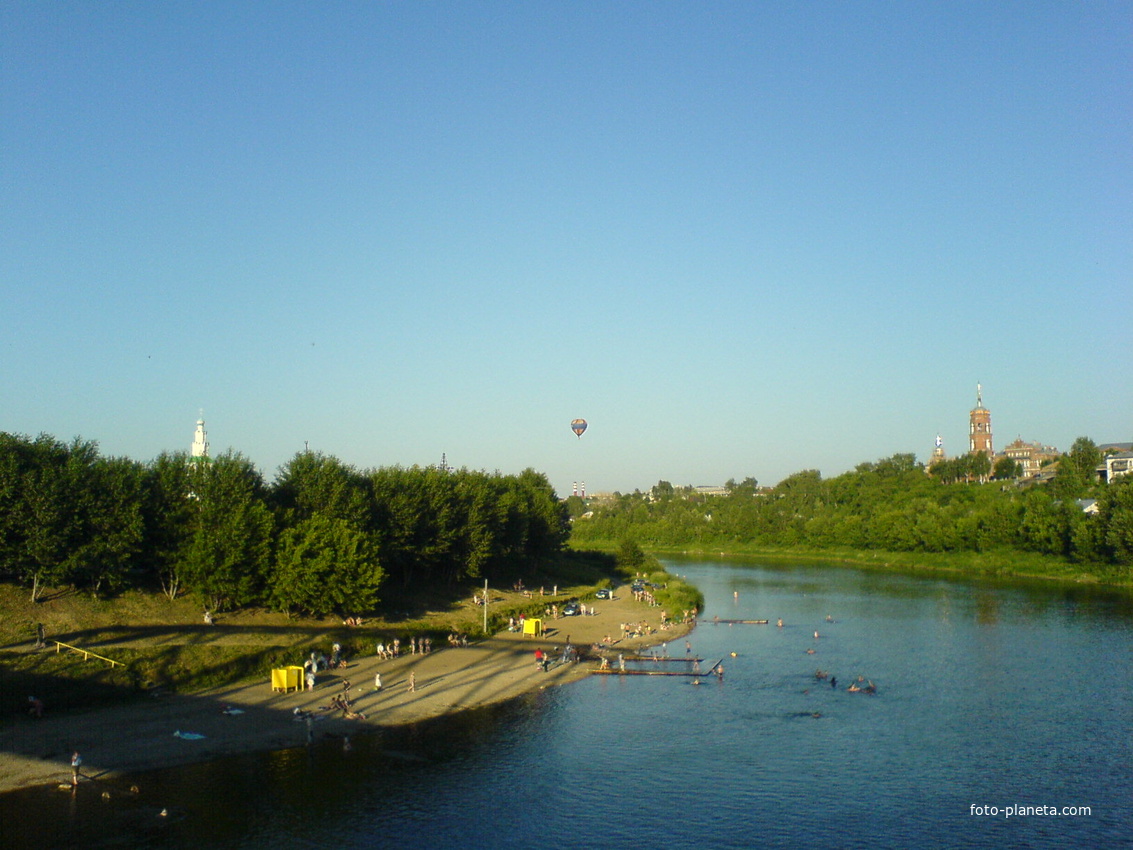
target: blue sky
<point>741,239</point>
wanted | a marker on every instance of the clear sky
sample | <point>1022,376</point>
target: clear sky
<point>741,239</point>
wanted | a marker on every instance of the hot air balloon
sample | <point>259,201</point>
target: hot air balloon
<point>578,426</point>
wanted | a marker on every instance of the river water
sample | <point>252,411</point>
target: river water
<point>991,695</point>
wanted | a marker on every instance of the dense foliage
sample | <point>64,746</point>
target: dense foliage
<point>323,537</point>
<point>890,505</point>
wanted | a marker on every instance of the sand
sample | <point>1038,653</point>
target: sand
<point>140,736</point>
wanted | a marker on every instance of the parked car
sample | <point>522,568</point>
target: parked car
<point>603,593</point>
<point>571,609</point>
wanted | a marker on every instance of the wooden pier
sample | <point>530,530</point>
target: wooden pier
<point>617,671</point>
<point>684,659</point>
<point>614,671</point>
<point>738,622</point>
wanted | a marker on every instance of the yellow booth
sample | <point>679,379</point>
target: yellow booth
<point>287,679</point>
<point>533,626</point>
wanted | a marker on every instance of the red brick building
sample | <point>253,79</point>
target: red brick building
<point>979,429</point>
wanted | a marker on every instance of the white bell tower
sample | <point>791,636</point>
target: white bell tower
<point>200,440</point>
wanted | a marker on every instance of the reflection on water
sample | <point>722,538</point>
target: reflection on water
<point>989,694</point>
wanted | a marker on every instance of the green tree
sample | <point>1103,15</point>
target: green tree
<point>1007,468</point>
<point>629,556</point>
<point>110,523</point>
<point>1077,469</point>
<point>40,485</point>
<point>576,506</point>
<point>747,487</point>
<point>979,466</point>
<point>1115,513</point>
<point>323,565</point>
<point>169,509</point>
<point>313,483</point>
<point>227,556</point>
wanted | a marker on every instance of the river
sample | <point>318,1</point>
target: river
<point>1003,718</point>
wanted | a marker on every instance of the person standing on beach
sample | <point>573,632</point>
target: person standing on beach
<point>378,681</point>
<point>412,682</point>
<point>76,763</point>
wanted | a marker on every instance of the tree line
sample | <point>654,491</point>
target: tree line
<point>322,537</point>
<point>890,505</point>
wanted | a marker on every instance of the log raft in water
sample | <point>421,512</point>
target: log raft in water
<point>614,671</point>
<point>742,622</point>
<point>679,658</point>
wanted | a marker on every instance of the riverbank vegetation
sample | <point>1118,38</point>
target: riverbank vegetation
<point>121,558</point>
<point>891,513</point>
<point>322,538</point>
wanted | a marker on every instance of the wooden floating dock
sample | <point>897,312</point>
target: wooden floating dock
<point>681,658</point>
<point>739,622</point>
<point>615,671</point>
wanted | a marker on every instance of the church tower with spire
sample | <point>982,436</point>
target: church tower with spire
<point>937,452</point>
<point>200,450</point>
<point>979,427</point>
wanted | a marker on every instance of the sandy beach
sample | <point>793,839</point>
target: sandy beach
<point>140,735</point>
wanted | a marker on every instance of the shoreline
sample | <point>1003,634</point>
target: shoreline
<point>138,736</point>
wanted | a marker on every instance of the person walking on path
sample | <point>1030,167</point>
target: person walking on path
<point>378,681</point>
<point>412,682</point>
<point>76,763</point>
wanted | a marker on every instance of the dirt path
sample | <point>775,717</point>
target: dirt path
<point>139,736</point>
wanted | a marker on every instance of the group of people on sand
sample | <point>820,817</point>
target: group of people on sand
<point>417,646</point>
<point>642,629</point>
<point>341,702</point>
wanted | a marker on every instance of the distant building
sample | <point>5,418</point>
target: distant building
<point>979,427</point>
<point>710,490</point>
<point>200,447</point>
<point>1031,456</point>
<point>937,453</point>
<point>1114,465</point>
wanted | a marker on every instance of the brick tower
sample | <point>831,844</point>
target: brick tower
<point>979,429</point>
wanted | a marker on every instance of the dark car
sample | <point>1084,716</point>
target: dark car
<point>603,594</point>
<point>571,609</point>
